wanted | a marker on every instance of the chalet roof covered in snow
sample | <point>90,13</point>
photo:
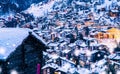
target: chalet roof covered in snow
<point>11,38</point>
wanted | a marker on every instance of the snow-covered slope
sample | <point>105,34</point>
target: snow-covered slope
<point>39,10</point>
<point>42,9</point>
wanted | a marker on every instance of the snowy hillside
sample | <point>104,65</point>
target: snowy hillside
<point>21,4</point>
<point>42,8</point>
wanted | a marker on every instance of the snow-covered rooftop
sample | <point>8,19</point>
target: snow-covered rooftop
<point>11,38</point>
<point>51,65</point>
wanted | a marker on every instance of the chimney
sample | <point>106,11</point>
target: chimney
<point>30,33</point>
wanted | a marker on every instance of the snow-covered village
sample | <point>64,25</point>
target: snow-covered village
<point>59,36</point>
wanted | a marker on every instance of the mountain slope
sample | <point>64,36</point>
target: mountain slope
<point>15,5</point>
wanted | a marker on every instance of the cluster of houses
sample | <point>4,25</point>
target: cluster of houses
<point>74,37</point>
